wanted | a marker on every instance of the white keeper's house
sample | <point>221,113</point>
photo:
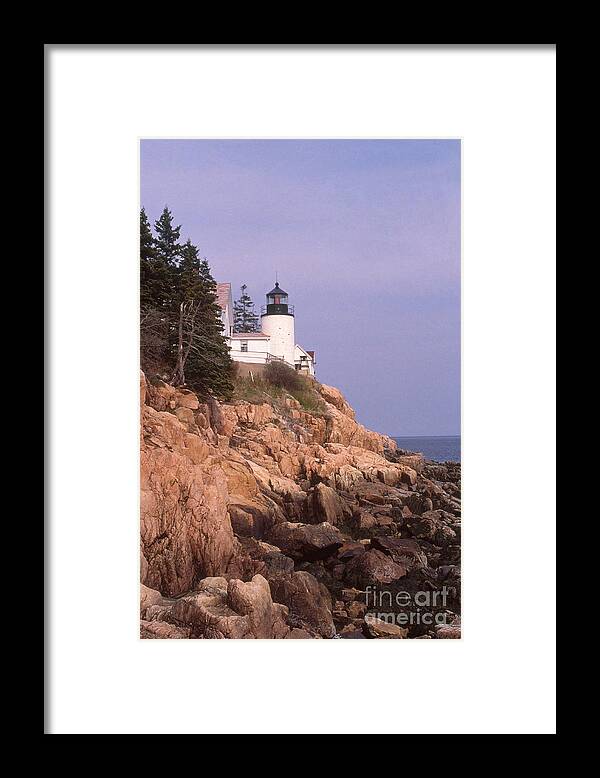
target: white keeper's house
<point>252,350</point>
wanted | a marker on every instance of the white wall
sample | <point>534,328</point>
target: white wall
<point>258,348</point>
<point>308,363</point>
<point>280,328</point>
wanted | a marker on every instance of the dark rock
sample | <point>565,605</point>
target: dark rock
<point>307,599</point>
<point>373,567</point>
<point>327,505</point>
<point>350,550</point>
<point>405,551</point>
<point>348,595</point>
<point>273,561</point>
<point>306,541</point>
<point>352,634</point>
<point>378,628</point>
<point>432,526</point>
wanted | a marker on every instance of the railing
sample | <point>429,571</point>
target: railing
<point>254,357</point>
<point>289,310</point>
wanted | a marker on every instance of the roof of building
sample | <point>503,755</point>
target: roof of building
<point>310,354</point>
<point>246,335</point>
<point>277,290</point>
<point>223,292</point>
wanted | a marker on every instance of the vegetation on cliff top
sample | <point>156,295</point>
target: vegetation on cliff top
<point>277,382</point>
<point>181,333</point>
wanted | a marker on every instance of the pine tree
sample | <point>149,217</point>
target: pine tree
<point>181,327</point>
<point>244,316</point>
<point>214,366</point>
<point>154,295</point>
<point>146,239</point>
<point>154,286</point>
<point>168,250</point>
<point>189,282</point>
<point>166,243</point>
<point>202,354</point>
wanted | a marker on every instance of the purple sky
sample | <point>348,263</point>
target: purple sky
<point>365,236</point>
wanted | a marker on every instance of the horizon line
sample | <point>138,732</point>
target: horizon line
<point>426,436</point>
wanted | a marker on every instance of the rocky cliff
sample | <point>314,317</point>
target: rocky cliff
<point>267,521</point>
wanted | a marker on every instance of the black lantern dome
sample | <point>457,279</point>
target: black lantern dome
<point>277,303</point>
<point>277,291</point>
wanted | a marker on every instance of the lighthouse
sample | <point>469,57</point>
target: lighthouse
<point>277,321</point>
<point>252,350</point>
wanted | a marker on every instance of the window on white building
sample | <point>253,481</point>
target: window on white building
<point>244,345</point>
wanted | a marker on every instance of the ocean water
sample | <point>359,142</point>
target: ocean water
<point>441,449</point>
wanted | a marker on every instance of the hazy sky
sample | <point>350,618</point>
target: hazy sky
<point>365,236</point>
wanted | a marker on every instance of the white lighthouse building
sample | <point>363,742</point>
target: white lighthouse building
<point>277,321</point>
<point>276,339</point>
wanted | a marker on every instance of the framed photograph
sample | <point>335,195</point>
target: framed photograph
<point>293,291</point>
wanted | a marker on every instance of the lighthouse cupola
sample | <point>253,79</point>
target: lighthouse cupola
<point>277,321</point>
<point>277,302</point>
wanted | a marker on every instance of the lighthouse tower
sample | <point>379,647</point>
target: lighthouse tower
<point>277,321</point>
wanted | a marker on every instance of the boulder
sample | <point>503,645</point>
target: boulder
<point>348,595</point>
<point>149,597</point>
<point>365,521</point>
<point>298,634</point>
<point>378,628</point>
<point>253,599</point>
<point>370,523</point>
<point>448,631</point>
<point>356,610</point>
<point>432,526</point>
<point>373,567</point>
<point>350,550</point>
<point>327,505</point>
<point>186,416</point>
<point>272,562</point>
<point>306,541</point>
<point>308,601</point>
<point>234,609</point>
<point>405,551</point>
<point>332,395</point>
<point>186,399</point>
<point>349,632</point>
<point>253,517</point>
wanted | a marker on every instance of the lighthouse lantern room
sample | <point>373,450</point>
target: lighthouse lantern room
<point>277,303</point>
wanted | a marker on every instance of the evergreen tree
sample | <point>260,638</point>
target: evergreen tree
<point>154,285</point>
<point>189,282</point>
<point>154,295</point>
<point>168,250</point>
<point>181,328</point>
<point>244,316</point>
<point>202,354</point>
<point>166,243</point>
<point>212,368</point>
<point>146,239</point>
